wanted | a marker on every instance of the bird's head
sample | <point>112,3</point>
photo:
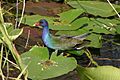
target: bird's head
<point>42,23</point>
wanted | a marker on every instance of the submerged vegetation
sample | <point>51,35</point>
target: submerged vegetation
<point>74,17</point>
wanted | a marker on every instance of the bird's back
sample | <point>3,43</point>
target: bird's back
<point>65,43</point>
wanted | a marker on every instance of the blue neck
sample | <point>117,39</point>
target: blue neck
<point>46,35</point>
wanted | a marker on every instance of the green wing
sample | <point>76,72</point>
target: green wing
<point>65,42</point>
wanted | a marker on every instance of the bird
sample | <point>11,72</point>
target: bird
<point>63,42</point>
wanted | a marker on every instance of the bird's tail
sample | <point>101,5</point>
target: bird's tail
<point>82,37</point>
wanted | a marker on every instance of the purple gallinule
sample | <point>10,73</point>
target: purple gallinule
<point>61,42</point>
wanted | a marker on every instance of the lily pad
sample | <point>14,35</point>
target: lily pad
<point>95,8</point>
<point>118,29</point>
<point>99,73</point>
<point>101,26</point>
<point>41,67</point>
<point>69,26</point>
<point>97,25</point>
<point>95,40</point>
<point>31,20</point>
<point>54,24</point>
<point>70,15</point>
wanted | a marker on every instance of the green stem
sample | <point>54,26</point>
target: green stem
<point>1,56</point>
<point>8,41</point>
<point>87,52</point>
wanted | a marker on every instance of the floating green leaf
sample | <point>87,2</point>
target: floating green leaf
<point>77,52</point>
<point>102,26</point>
<point>95,7</point>
<point>41,67</point>
<point>72,33</point>
<point>70,26</point>
<point>70,15</point>
<point>31,20</point>
<point>99,73</point>
<point>54,25</point>
<point>97,25</point>
<point>118,29</point>
<point>95,40</point>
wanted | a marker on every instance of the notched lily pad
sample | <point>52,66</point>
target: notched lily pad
<point>41,67</point>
